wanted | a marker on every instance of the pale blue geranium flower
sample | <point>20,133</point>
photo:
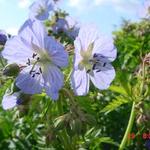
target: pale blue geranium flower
<point>93,57</point>
<point>40,57</point>
<point>10,100</point>
<point>67,25</point>
<point>40,9</point>
<point>60,25</point>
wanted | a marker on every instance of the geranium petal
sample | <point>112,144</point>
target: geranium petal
<point>103,77</point>
<point>53,81</point>
<point>80,82</point>
<point>10,101</point>
<point>33,31</point>
<point>56,52</point>
<point>87,35</point>
<point>29,84</point>
<point>16,51</point>
<point>105,47</point>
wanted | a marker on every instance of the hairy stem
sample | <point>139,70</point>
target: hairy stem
<point>129,128</point>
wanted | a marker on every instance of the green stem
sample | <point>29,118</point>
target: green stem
<point>143,78</point>
<point>73,140</point>
<point>1,61</point>
<point>129,127</point>
<point>46,109</point>
<point>68,77</point>
<point>64,136</point>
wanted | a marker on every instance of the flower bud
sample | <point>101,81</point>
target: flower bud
<point>3,38</point>
<point>11,70</point>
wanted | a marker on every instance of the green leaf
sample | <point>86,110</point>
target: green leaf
<point>118,89</point>
<point>98,140</point>
<point>85,102</point>
<point>4,87</point>
<point>115,104</point>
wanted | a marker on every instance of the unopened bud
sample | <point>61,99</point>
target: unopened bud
<point>3,37</point>
<point>11,70</point>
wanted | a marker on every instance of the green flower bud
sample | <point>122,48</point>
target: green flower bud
<point>11,70</point>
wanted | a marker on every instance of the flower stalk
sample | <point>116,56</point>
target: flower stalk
<point>129,128</point>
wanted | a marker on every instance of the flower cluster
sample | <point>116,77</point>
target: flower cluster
<point>41,57</point>
<point>67,25</point>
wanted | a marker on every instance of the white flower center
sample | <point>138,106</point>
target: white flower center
<point>41,10</point>
<point>91,61</point>
<point>38,61</point>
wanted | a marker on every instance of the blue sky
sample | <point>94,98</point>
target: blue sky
<point>106,14</point>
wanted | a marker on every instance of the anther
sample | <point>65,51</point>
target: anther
<point>94,66</point>
<point>95,55</point>
<point>33,75</point>
<point>40,70</point>
<point>37,73</point>
<point>31,71</point>
<point>98,70</point>
<point>34,54</point>
<point>28,63</point>
<point>104,64</point>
